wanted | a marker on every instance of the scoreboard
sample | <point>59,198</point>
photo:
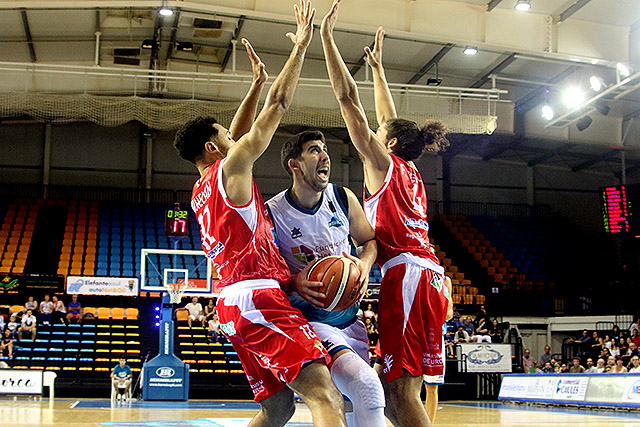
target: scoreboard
<point>176,223</point>
<point>616,202</point>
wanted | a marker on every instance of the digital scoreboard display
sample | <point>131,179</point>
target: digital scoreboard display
<point>616,208</point>
<point>176,223</point>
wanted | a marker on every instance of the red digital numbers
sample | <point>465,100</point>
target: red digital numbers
<point>615,210</point>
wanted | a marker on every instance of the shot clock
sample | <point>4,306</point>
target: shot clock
<point>176,222</point>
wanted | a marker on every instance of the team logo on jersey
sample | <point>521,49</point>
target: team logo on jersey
<point>275,236</point>
<point>295,233</point>
<point>303,254</point>
<point>417,223</point>
<point>228,328</point>
<point>335,222</point>
<point>388,363</point>
<point>321,348</point>
<point>437,282</point>
<point>215,251</point>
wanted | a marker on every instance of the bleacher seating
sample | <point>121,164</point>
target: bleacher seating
<point>15,235</point>
<point>78,253</point>
<point>204,357</point>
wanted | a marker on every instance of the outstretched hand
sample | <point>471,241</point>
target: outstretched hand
<point>304,17</point>
<point>364,272</point>
<point>329,20</point>
<point>374,58</point>
<point>259,72</point>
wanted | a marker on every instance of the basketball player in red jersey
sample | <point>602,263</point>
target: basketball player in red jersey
<point>413,299</point>
<point>278,349</point>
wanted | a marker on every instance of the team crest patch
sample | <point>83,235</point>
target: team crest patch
<point>296,233</point>
<point>437,282</point>
<point>302,254</point>
<point>317,344</point>
<point>335,222</point>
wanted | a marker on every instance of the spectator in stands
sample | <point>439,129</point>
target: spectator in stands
<point>6,345</point>
<point>596,345</point>
<point>615,347</point>
<point>546,357</point>
<point>615,332</point>
<point>564,368</point>
<point>467,324</point>
<point>46,310</point>
<point>482,332</point>
<point>214,333</point>
<point>634,367</point>
<point>372,332</point>
<point>635,326</point>
<point>449,343</point>
<point>618,368</point>
<point>605,353</point>
<point>611,362</point>
<point>635,337</point>
<point>461,335</point>
<point>121,376</point>
<point>31,305</point>
<point>528,362</point>
<point>28,324</point>
<point>75,310</point>
<point>59,311</point>
<point>547,368</point>
<point>590,368</point>
<point>13,325</point>
<point>600,366</point>
<point>2,323</point>
<point>495,332</point>
<point>482,315</point>
<point>209,311</point>
<point>583,343</point>
<point>369,312</point>
<point>577,368</point>
<point>195,311</point>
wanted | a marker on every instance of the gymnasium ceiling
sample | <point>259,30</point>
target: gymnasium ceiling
<point>556,44</point>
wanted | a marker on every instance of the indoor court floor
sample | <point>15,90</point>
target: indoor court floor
<point>23,411</point>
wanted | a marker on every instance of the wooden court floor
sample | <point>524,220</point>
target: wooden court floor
<point>23,411</point>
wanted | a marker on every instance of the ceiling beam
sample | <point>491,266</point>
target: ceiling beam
<point>174,31</point>
<point>530,100</point>
<point>495,70</point>
<point>551,154</point>
<point>236,35</point>
<point>515,141</point>
<point>431,63</point>
<point>492,5</point>
<point>572,9</point>
<point>27,34</point>
<point>593,161</point>
<point>360,62</point>
<point>632,115</point>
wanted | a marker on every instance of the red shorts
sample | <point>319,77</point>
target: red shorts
<point>273,340</point>
<point>413,307</point>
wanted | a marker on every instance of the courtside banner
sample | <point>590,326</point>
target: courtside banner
<point>485,357</point>
<point>121,286</point>
<point>14,381</point>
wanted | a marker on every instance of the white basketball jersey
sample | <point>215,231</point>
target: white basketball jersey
<point>304,234</point>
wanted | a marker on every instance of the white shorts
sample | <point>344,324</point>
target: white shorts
<point>437,379</point>
<point>198,317</point>
<point>353,337</point>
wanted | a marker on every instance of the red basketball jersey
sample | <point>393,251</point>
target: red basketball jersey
<point>398,214</point>
<point>239,240</point>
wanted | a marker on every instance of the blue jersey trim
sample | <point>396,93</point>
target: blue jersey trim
<point>344,208</point>
<point>336,349</point>
<point>287,196</point>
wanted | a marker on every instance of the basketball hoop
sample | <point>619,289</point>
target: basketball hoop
<point>175,291</point>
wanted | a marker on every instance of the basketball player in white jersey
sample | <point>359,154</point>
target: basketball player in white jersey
<point>278,349</point>
<point>413,298</point>
<point>313,219</point>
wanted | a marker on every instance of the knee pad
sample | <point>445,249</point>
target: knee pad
<point>358,381</point>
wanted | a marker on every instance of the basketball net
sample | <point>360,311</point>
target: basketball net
<point>175,291</point>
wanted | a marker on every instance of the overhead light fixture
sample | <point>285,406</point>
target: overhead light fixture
<point>573,97</point>
<point>434,81</point>
<point>523,5</point>
<point>164,10</point>
<point>547,112</point>
<point>184,46</point>
<point>596,83</point>
<point>623,70</point>
<point>149,44</point>
<point>584,123</point>
<point>470,50</point>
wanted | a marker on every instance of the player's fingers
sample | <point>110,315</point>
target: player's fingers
<point>311,284</point>
<point>291,36</point>
<point>313,15</point>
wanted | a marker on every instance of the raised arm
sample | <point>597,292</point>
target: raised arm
<point>364,236</point>
<point>385,107</point>
<point>243,119</point>
<point>237,168</point>
<point>373,151</point>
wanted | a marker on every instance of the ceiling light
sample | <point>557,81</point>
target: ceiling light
<point>547,112</point>
<point>623,70</point>
<point>523,5</point>
<point>184,46</point>
<point>584,123</point>
<point>165,11</point>
<point>596,83</point>
<point>470,50</point>
<point>149,44</point>
<point>573,97</point>
<point>434,81</point>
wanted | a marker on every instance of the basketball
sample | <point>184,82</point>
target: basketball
<point>339,277</point>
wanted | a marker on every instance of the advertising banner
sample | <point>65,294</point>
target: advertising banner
<point>13,381</point>
<point>120,286</point>
<point>485,357</point>
<point>38,283</point>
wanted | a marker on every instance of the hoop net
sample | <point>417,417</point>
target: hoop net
<point>175,291</point>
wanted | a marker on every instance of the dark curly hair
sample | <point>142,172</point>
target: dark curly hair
<point>190,138</point>
<point>292,148</point>
<point>413,140</point>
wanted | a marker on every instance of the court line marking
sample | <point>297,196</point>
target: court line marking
<point>74,404</point>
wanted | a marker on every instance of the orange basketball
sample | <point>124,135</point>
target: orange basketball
<point>339,276</point>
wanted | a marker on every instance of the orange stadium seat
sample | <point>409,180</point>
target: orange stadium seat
<point>117,313</point>
<point>104,312</point>
<point>131,313</point>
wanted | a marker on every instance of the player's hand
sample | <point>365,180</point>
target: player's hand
<point>304,18</point>
<point>257,66</point>
<point>364,272</point>
<point>329,20</point>
<point>306,288</point>
<point>374,57</point>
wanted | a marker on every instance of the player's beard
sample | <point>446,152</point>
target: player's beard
<point>313,181</point>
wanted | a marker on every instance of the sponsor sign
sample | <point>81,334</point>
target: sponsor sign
<point>571,388</point>
<point>538,387</point>
<point>485,357</point>
<point>632,393</point>
<point>120,286</point>
<point>40,283</point>
<point>20,381</point>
